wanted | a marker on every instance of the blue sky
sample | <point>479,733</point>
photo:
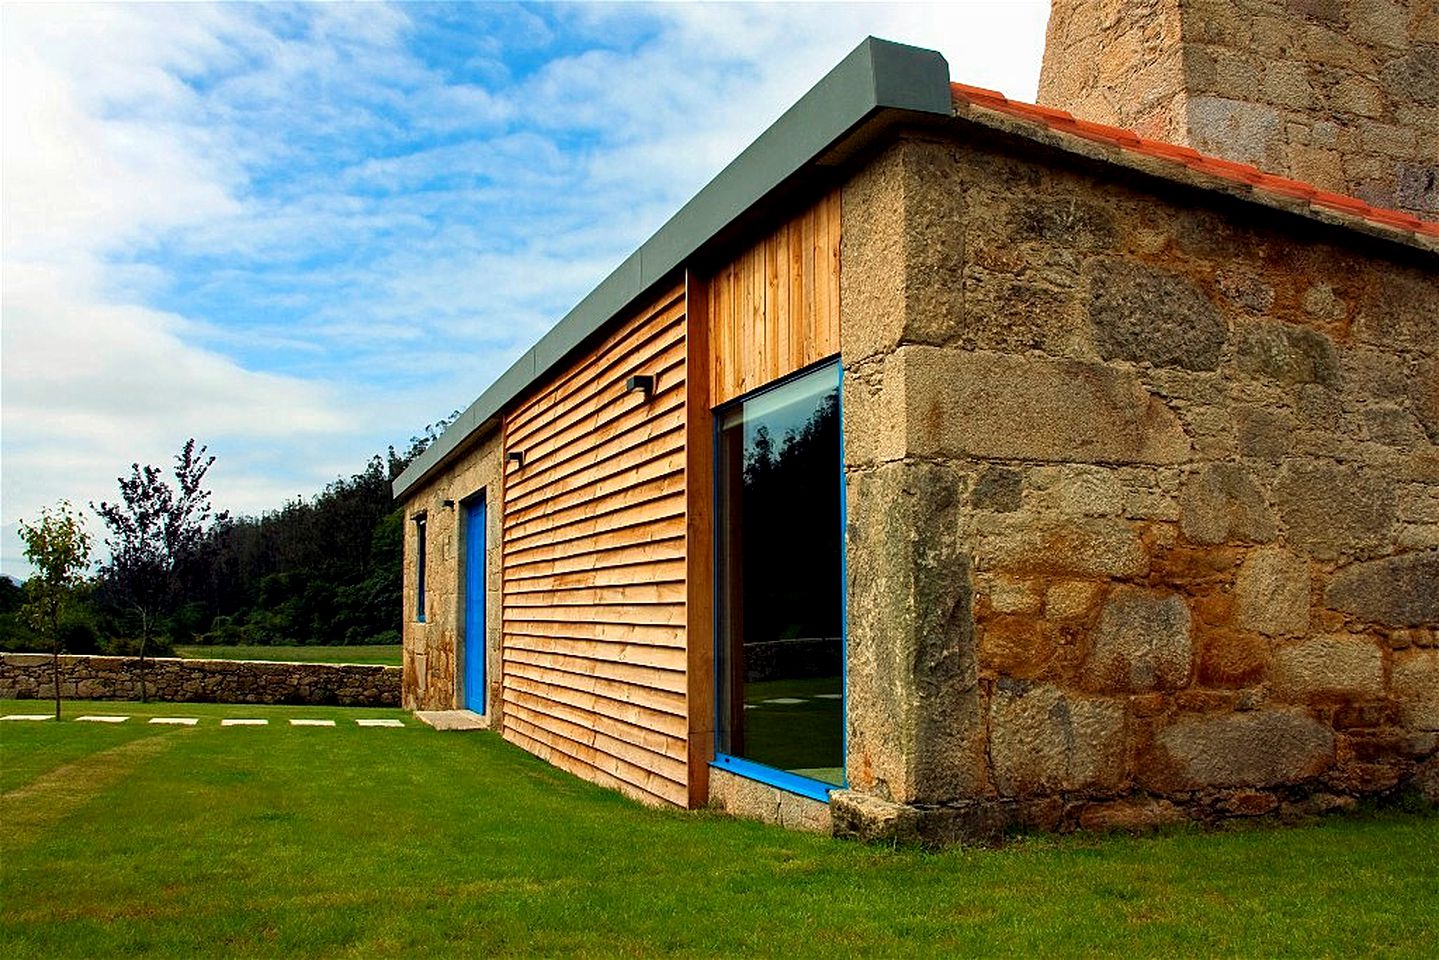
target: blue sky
<point>300,233</point>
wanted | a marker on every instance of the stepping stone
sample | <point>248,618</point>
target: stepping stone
<point>298,722</point>
<point>784,700</point>
<point>29,716</point>
<point>378,723</point>
<point>176,721</point>
<point>101,719</point>
<point>451,719</point>
<point>233,722</point>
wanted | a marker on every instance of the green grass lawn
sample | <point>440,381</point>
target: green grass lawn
<point>139,840</point>
<point>805,737</point>
<point>386,654</point>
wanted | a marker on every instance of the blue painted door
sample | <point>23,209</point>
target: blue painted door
<point>474,681</point>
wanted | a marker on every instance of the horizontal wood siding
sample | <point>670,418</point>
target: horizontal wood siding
<point>774,308</point>
<point>594,564</point>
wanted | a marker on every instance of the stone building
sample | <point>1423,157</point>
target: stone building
<point>950,464</point>
<point>1343,94</point>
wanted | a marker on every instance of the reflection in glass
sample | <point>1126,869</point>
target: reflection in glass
<point>780,527</point>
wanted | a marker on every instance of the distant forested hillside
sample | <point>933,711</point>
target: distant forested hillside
<point>322,570</point>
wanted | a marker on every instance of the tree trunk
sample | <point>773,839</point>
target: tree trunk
<point>55,662</point>
<point>54,611</point>
<point>144,642</point>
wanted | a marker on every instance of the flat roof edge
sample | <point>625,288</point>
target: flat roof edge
<point>876,75</point>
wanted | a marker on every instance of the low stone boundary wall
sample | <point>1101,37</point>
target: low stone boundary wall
<point>26,676</point>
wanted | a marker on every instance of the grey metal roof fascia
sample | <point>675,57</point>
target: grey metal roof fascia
<point>877,74</point>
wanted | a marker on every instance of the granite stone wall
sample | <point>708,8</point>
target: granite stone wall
<point>1340,93</point>
<point>434,649</point>
<point>743,797</point>
<point>1143,491</point>
<point>28,676</point>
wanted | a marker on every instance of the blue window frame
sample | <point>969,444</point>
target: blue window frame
<point>420,567</point>
<point>779,543</point>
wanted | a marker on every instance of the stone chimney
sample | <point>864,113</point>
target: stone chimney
<point>1343,94</point>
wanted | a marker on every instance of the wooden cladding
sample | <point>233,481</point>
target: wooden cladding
<point>607,514</point>
<point>774,309</point>
<point>594,611</point>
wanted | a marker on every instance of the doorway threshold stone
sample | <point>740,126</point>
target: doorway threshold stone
<point>452,719</point>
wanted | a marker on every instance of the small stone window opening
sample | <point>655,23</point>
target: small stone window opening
<point>420,567</point>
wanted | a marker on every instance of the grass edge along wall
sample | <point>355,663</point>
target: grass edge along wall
<point>1056,516</point>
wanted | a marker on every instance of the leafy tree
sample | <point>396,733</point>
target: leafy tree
<point>15,633</point>
<point>58,547</point>
<point>157,536</point>
<point>322,570</point>
<point>12,594</point>
<point>319,570</point>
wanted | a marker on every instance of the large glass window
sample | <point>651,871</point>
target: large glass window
<point>780,664</point>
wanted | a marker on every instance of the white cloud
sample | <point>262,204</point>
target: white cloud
<point>98,159</point>
<point>294,233</point>
<point>73,175</point>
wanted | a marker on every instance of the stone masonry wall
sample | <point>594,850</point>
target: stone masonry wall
<point>1119,62</point>
<point>434,649</point>
<point>1143,493</point>
<point>743,797</point>
<point>27,676</point>
<point>1340,93</point>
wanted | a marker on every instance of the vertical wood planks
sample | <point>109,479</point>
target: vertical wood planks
<point>699,544</point>
<point>774,308</point>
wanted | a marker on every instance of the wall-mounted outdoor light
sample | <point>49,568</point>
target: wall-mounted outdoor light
<point>517,457</point>
<point>643,383</point>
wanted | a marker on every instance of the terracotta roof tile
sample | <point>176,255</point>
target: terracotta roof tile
<point>1213,166</point>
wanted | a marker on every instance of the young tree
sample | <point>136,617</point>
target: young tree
<point>58,547</point>
<point>157,533</point>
